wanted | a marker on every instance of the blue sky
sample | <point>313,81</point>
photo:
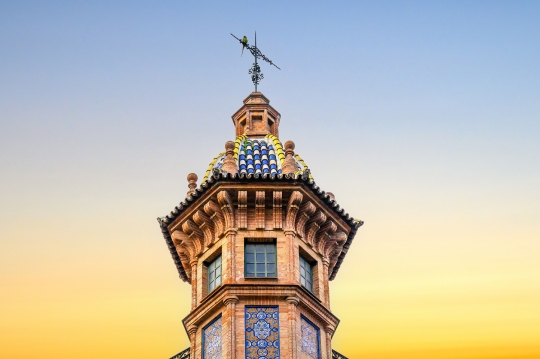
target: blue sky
<point>421,117</point>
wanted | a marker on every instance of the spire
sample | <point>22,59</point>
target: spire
<point>256,117</point>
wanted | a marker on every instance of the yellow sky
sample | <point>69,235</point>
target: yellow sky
<point>105,286</point>
<point>422,117</point>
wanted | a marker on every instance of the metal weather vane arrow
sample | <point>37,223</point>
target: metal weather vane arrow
<point>255,70</point>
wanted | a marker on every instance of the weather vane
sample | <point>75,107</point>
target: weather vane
<point>255,70</point>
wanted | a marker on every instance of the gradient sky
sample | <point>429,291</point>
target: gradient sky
<point>423,118</point>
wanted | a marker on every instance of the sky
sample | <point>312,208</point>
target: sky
<point>423,118</point>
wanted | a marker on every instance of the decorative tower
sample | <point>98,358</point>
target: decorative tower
<point>258,240</point>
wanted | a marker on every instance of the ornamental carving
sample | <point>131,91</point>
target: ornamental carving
<point>311,222</point>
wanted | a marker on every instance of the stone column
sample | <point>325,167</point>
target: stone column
<point>192,332</point>
<point>293,302</point>
<point>230,302</point>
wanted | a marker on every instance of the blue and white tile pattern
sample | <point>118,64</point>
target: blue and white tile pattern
<point>258,156</point>
<point>310,340</point>
<point>262,333</point>
<point>212,340</point>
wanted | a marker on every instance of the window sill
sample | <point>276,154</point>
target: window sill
<point>261,278</point>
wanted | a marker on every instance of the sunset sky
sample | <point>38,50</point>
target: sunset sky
<point>422,117</point>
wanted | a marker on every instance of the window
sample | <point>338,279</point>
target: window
<point>260,260</point>
<point>214,274</point>
<point>306,274</point>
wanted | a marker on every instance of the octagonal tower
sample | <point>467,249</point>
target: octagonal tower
<point>258,241</point>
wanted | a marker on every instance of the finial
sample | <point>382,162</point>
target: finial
<point>331,195</point>
<point>229,164</point>
<point>289,164</point>
<point>192,182</point>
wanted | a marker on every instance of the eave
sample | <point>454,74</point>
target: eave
<point>219,176</point>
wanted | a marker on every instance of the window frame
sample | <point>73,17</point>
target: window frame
<point>303,263</point>
<point>212,270</point>
<point>253,258</point>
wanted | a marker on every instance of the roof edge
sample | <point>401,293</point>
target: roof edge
<point>219,176</point>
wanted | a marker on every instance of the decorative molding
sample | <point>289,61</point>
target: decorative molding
<point>230,300</point>
<point>195,234</point>
<point>212,209</point>
<point>242,209</point>
<point>259,210</point>
<point>313,225</point>
<point>323,235</point>
<point>293,206</point>
<point>206,226</point>
<point>333,249</point>
<point>306,210</point>
<point>226,204</point>
<point>278,209</point>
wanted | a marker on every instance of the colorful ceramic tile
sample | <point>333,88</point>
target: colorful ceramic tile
<point>212,340</point>
<point>262,333</point>
<point>310,340</point>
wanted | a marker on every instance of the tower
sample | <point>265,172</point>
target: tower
<point>258,241</point>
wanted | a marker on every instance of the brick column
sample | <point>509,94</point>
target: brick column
<point>230,303</point>
<point>293,302</point>
<point>192,332</point>
<point>229,256</point>
<point>289,238</point>
<point>329,333</point>
<point>326,269</point>
<point>193,265</point>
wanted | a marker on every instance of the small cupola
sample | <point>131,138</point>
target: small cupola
<point>256,117</point>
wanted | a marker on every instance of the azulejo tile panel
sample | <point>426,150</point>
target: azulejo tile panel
<point>310,340</point>
<point>212,340</point>
<point>262,333</point>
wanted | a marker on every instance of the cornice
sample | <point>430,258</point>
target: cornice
<point>219,177</point>
<point>215,301</point>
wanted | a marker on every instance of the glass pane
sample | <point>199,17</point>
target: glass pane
<point>211,276</point>
<point>271,268</point>
<point>259,248</point>
<point>250,258</point>
<point>270,248</point>
<point>218,261</point>
<point>250,268</point>
<point>261,274</point>
<point>260,268</point>
<point>250,274</point>
<point>260,258</point>
<point>218,281</point>
<point>250,248</point>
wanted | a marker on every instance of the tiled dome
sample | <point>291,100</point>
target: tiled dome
<point>256,156</point>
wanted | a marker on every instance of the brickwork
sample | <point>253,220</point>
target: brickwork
<point>287,214</point>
